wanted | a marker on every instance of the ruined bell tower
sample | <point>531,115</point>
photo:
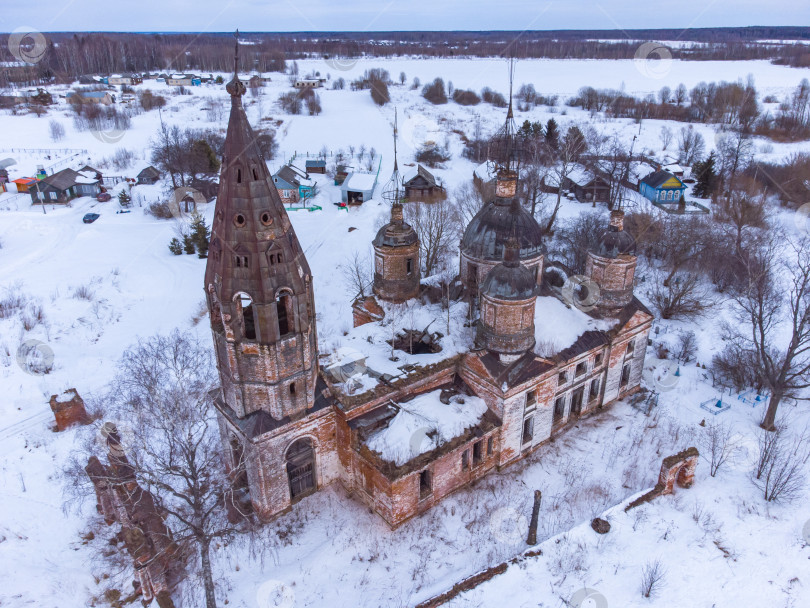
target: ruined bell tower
<point>258,285</point>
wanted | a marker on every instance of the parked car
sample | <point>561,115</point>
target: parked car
<point>103,197</point>
<point>89,218</point>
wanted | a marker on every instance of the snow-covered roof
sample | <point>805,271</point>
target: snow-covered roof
<point>673,168</point>
<point>86,177</point>
<point>425,423</point>
<point>558,326</point>
<point>485,171</point>
<point>360,181</point>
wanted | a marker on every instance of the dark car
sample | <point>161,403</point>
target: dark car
<point>89,218</point>
<point>103,197</point>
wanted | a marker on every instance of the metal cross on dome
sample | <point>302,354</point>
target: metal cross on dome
<point>392,192</point>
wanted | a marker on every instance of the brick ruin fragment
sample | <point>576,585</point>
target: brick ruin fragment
<point>678,468</point>
<point>68,409</point>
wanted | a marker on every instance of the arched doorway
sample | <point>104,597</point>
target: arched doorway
<point>301,468</point>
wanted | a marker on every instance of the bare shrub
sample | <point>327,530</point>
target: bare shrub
<point>779,471</point>
<point>652,578</point>
<point>686,347</point>
<point>717,446</point>
<point>435,92</point>
<point>313,104</point>
<point>290,102</point>
<point>122,159</point>
<point>160,210</point>
<point>56,130</point>
<point>432,154</point>
<point>379,91</point>
<point>466,98</point>
<point>83,292</point>
<point>13,302</point>
<point>493,97</point>
<point>32,315</point>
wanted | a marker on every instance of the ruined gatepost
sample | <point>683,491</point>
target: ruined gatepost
<point>68,409</point>
<point>678,468</point>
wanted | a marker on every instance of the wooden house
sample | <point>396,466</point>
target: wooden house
<point>94,97</point>
<point>292,184</point>
<point>308,83</point>
<point>662,186</point>
<point>148,176</point>
<point>315,166</point>
<point>183,80</point>
<point>420,184</point>
<point>24,183</point>
<point>587,187</point>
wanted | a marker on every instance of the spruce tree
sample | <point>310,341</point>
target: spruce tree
<point>706,176</point>
<point>200,234</point>
<point>175,246</point>
<point>552,134</point>
<point>188,244</point>
<point>124,198</point>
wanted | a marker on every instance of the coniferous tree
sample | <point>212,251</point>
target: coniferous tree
<point>175,246</point>
<point>188,244</point>
<point>200,235</point>
<point>706,176</point>
<point>124,198</point>
<point>552,134</point>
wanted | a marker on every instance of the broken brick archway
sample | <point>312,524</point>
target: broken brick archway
<point>301,472</point>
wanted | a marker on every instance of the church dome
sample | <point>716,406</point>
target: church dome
<point>510,280</point>
<point>487,233</point>
<point>396,233</point>
<point>616,241</point>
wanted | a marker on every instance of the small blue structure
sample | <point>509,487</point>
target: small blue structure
<point>752,398</point>
<point>715,406</point>
<point>661,187</point>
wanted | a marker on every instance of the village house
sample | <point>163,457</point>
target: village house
<point>148,176</point>
<point>358,187</point>
<point>299,427</point>
<point>96,97</point>
<point>662,186</point>
<point>293,184</point>
<point>183,80</point>
<point>65,185</point>
<point>308,83</point>
<point>587,187</point>
<point>315,166</point>
<point>127,79</point>
<point>421,184</point>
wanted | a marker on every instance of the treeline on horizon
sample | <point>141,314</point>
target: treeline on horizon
<point>70,55</point>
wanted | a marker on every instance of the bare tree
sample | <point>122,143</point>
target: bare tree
<point>570,149</point>
<point>56,129</point>
<point>357,273</point>
<point>773,314</point>
<point>468,200</point>
<point>434,224</point>
<point>718,446</point>
<point>741,209</point>
<point>735,151</point>
<point>161,392</point>
<point>690,145</point>
<point>683,297</point>
<point>666,137</point>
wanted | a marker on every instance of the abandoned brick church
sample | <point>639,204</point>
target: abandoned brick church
<point>296,426</point>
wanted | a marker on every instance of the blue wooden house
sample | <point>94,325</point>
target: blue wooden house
<point>293,185</point>
<point>661,186</point>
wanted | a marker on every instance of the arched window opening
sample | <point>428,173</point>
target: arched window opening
<point>248,319</point>
<point>280,259</point>
<point>238,176</point>
<point>284,313</point>
<point>255,174</point>
<point>292,389</point>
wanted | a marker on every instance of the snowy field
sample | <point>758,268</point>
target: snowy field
<point>101,286</point>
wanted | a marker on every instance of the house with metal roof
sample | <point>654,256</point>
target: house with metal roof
<point>315,166</point>
<point>148,176</point>
<point>357,188</point>
<point>419,183</point>
<point>661,186</point>
<point>293,185</point>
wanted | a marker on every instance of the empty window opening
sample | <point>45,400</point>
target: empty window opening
<point>528,429</point>
<point>594,389</point>
<point>248,321</point>
<point>409,265</point>
<point>283,313</point>
<point>465,460</point>
<point>581,367</point>
<point>301,468</point>
<point>292,388</point>
<point>279,258</point>
<point>238,176</point>
<point>576,400</point>
<point>490,445</point>
<point>241,261</point>
<point>631,346</point>
<point>625,374</point>
<point>562,378</point>
<point>478,455</point>
<point>597,360</point>
<point>255,174</point>
<point>531,399</point>
<point>559,408</point>
<point>425,484</point>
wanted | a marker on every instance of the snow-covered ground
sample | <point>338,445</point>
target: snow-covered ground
<point>101,286</point>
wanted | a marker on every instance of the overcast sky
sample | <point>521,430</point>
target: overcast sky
<point>370,15</point>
